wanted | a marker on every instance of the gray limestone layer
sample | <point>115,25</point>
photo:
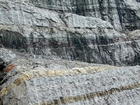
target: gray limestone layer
<point>122,14</point>
<point>45,34</point>
<point>31,82</point>
<point>43,28</point>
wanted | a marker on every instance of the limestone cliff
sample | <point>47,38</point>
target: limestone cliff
<point>76,30</point>
<point>122,14</point>
<point>53,81</point>
<point>46,35</point>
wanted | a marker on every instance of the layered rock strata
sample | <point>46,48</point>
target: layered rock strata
<point>69,83</point>
<point>122,14</point>
<point>95,31</point>
<point>36,27</point>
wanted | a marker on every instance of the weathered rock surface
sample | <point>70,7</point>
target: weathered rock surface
<point>34,81</point>
<point>51,27</point>
<point>122,14</point>
<point>6,57</point>
<point>95,31</point>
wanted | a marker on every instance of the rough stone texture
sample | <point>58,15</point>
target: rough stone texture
<point>31,82</point>
<point>6,57</point>
<point>122,14</point>
<point>95,31</point>
<point>55,27</point>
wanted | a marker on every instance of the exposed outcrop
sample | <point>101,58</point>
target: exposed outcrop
<point>51,27</point>
<point>6,57</point>
<point>34,81</point>
<point>45,31</point>
<point>122,14</point>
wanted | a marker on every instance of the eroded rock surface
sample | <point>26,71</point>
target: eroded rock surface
<point>68,30</point>
<point>6,57</point>
<point>95,31</point>
<point>32,82</point>
<point>122,14</point>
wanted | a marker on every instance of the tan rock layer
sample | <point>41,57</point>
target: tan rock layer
<point>65,100</point>
<point>43,73</point>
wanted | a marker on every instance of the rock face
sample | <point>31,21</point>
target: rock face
<point>122,14</point>
<point>94,31</point>
<point>31,82</point>
<point>6,57</point>
<point>86,30</point>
